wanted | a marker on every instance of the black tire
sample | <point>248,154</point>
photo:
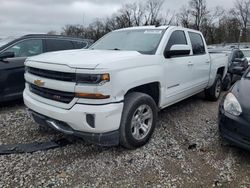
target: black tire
<point>213,93</point>
<point>133,101</point>
<point>227,82</point>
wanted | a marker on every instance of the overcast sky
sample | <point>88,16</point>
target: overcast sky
<point>18,17</point>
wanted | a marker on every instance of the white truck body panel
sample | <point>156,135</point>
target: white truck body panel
<point>178,78</point>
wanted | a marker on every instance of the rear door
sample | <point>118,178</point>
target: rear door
<point>12,69</point>
<point>200,62</point>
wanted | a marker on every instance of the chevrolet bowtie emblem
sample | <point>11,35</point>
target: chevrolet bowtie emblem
<point>39,83</point>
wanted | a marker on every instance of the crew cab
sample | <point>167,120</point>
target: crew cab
<point>110,93</point>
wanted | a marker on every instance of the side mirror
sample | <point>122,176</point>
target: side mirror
<point>177,50</point>
<point>5,55</point>
<point>238,71</point>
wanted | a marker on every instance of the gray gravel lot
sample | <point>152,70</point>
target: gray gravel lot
<point>185,151</point>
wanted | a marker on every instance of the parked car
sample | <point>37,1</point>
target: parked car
<point>110,94</point>
<point>234,112</point>
<point>236,59</point>
<point>14,51</point>
<point>246,52</point>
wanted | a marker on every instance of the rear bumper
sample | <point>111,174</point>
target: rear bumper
<point>106,117</point>
<point>234,129</point>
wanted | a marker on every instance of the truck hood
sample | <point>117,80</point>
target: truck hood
<point>84,59</point>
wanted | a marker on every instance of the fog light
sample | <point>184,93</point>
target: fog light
<point>90,118</point>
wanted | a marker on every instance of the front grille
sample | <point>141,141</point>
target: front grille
<point>55,75</point>
<point>60,96</point>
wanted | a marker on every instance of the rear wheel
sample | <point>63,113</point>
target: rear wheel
<point>138,120</point>
<point>213,93</point>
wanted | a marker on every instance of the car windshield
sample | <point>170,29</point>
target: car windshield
<point>5,41</point>
<point>143,40</point>
<point>246,53</point>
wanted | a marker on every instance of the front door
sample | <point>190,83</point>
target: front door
<point>178,71</point>
<point>12,69</point>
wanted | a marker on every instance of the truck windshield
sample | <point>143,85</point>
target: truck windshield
<point>144,41</point>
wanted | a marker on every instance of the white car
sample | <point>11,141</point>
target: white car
<point>110,94</point>
<point>246,52</point>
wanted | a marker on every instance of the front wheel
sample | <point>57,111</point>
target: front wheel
<point>213,93</point>
<point>138,120</point>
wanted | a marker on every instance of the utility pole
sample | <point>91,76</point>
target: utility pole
<point>241,31</point>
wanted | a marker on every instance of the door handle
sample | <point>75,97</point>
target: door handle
<point>190,64</point>
<point>207,62</point>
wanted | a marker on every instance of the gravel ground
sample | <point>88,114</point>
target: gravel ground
<point>185,151</point>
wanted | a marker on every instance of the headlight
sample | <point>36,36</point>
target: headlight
<point>232,105</point>
<point>96,79</point>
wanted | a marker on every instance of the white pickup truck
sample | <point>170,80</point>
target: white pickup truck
<point>110,94</point>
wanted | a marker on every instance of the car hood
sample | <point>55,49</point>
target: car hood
<point>84,59</point>
<point>241,90</point>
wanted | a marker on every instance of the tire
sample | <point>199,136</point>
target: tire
<point>213,93</point>
<point>227,82</point>
<point>135,129</point>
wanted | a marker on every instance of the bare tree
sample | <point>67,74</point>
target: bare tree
<point>184,17</point>
<point>138,13</point>
<point>153,8</point>
<point>198,9</point>
<point>242,12</point>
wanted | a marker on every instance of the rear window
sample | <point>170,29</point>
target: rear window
<point>197,43</point>
<point>56,45</point>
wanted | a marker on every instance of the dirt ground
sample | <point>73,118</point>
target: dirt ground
<point>185,151</point>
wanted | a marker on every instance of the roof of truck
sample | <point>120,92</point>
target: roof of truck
<point>153,27</point>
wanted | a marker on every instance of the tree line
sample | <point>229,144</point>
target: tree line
<point>217,24</point>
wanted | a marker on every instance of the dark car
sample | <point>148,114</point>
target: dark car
<point>234,112</point>
<point>14,51</point>
<point>236,59</point>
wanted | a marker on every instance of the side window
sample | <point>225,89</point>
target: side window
<point>197,43</point>
<point>56,45</point>
<point>80,44</point>
<point>27,48</point>
<point>177,37</point>
<point>241,55</point>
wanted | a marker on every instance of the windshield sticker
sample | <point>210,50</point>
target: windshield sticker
<point>157,32</point>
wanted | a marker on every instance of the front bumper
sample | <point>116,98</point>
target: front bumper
<point>103,139</point>
<point>234,129</point>
<point>106,117</point>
